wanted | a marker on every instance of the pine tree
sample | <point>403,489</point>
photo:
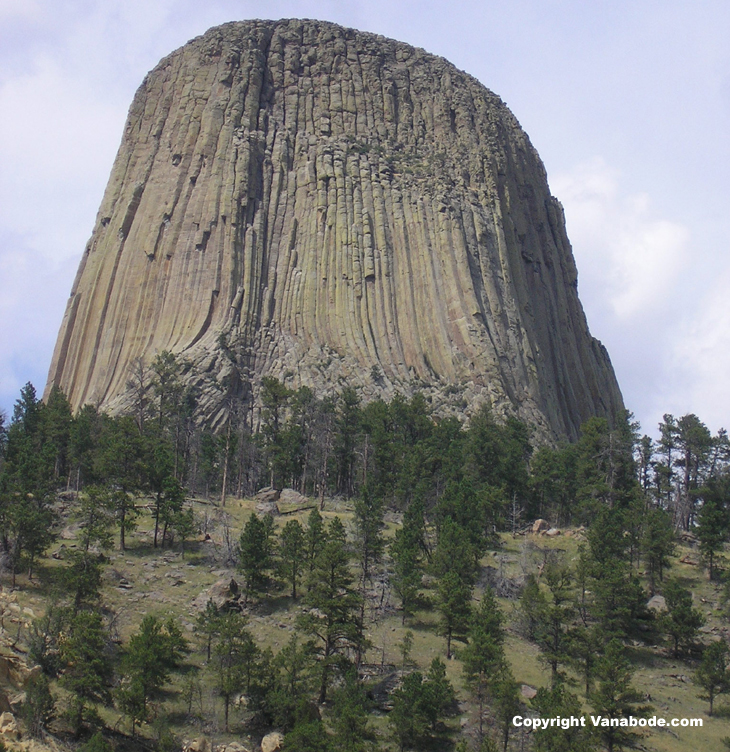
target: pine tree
<point>368,531</point>
<point>483,657</point>
<point>681,621</point>
<point>713,674</point>
<point>555,619</point>
<point>333,620</point>
<point>39,705</point>
<point>407,719</point>
<point>350,717</point>
<point>87,667</point>
<point>614,697</point>
<point>208,624</point>
<point>438,694</point>
<point>713,522</point>
<point>555,702</point>
<point>95,517</point>
<point>657,545</point>
<point>453,602</point>
<point>154,652</point>
<point>506,703</point>
<point>453,564</point>
<point>291,553</point>
<point>315,537</point>
<point>293,668</point>
<point>618,597</point>
<point>234,657</point>
<point>406,551</point>
<point>120,460</point>
<point>255,560</point>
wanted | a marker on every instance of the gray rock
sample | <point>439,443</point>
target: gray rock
<point>409,228</point>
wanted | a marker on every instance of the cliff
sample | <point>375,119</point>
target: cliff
<point>296,199</point>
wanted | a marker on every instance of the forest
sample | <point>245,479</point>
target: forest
<point>470,537</point>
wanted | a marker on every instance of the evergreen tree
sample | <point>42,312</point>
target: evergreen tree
<point>694,445</point>
<point>294,684</point>
<point>154,652</point>
<point>406,551</point>
<point>87,666</point>
<point>713,524</point>
<point>555,617</point>
<point>437,694</point>
<point>234,658</point>
<point>255,560</point>
<point>308,735</point>
<point>532,606</point>
<point>586,643</point>
<point>506,703</point>
<point>713,674</point>
<point>39,705</point>
<point>275,399</point>
<point>615,697</point>
<point>95,517</point>
<point>657,545</point>
<point>27,485</point>
<point>407,719</point>
<point>453,602</point>
<point>483,657</point>
<point>618,598</point>
<point>97,743</point>
<point>368,531</point>
<point>347,426</point>
<point>208,624</point>
<point>56,431</point>
<point>291,553</point>
<point>315,537</point>
<point>554,702</point>
<point>681,621</point>
<point>350,717</point>
<point>120,460</point>
<point>333,620</point>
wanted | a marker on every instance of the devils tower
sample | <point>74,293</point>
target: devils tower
<point>330,207</point>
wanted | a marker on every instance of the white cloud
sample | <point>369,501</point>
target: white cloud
<point>629,259</point>
<point>701,353</point>
<point>56,145</point>
<point>17,9</point>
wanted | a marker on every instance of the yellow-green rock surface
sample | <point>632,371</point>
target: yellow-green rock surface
<point>300,200</point>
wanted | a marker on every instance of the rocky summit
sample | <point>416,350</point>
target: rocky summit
<point>330,207</point>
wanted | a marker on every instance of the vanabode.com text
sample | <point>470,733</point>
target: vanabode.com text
<point>598,720</point>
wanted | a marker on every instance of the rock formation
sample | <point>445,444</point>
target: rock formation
<point>296,199</point>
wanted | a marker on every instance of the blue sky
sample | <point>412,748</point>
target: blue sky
<point>628,104</point>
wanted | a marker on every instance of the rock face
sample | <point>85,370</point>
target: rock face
<point>296,199</point>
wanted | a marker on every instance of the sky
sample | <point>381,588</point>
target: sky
<point>627,102</point>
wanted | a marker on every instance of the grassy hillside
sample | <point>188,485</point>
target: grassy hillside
<point>144,580</point>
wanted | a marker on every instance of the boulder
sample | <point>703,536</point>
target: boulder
<point>268,495</point>
<point>8,724</point>
<point>268,507</point>
<point>232,747</point>
<point>224,593</point>
<point>528,692</point>
<point>657,603</point>
<point>292,501</point>
<point>539,525</point>
<point>201,744</point>
<point>552,532</point>
<point>272,742</point>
